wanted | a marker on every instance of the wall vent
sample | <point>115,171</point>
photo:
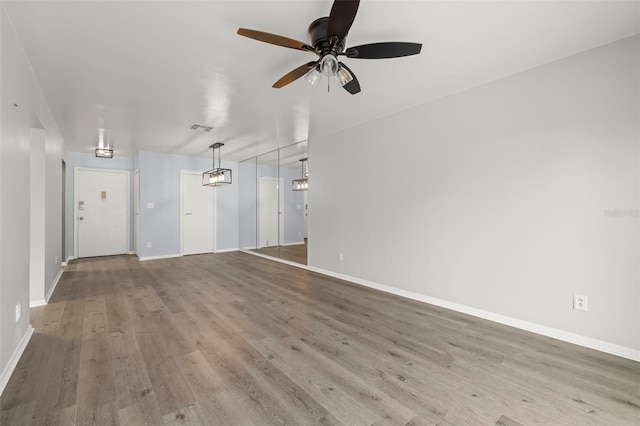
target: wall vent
<point>200,127</point>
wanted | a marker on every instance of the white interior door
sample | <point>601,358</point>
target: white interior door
<point>269,206</point>
<point>306,214</point>
<point>197,210</point>
<point>102,212</point>
<point>136,211</point>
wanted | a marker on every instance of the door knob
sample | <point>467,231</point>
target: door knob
<point>188,214</point>
<point>81,218</point>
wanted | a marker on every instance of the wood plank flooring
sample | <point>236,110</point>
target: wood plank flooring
<point>236,339</point>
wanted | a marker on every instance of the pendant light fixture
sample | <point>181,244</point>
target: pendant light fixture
<point>302,184</point>
<point>216,176</point>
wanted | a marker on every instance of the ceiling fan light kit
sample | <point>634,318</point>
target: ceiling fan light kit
<point>216,176</point>
<point>328,37</point>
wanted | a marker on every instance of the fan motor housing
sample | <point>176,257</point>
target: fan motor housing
<point>319,38</point>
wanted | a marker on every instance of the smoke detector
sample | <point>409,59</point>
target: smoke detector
<point>200,127</point>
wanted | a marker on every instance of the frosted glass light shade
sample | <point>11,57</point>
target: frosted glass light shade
<point>329,65</point>
<point>313,77</point>
<point>344,76</point>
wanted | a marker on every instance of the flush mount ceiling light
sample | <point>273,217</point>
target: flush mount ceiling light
<point>302,184</point>
<point>104,148</point>
<point>216,176</point>
<point>104,152</point>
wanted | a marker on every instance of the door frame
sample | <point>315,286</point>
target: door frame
<point>280,209</point>
<point>215,211</point>
<point>136,217</point>
<point>76,236</point>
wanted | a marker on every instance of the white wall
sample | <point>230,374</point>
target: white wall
<point>38,210</point>
<point>18,86</point>
<point>497,197</point>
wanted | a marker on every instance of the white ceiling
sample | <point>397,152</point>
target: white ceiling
<point>145,70</point>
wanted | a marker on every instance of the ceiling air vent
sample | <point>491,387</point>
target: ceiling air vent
<point>200,127</point>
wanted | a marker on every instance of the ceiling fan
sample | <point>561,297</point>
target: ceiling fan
<point>328,38</point>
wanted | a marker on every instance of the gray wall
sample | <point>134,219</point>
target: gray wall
<point>498,197</point>
<point>248,204</point>
<point>160,185</point>
<point>19,86</point>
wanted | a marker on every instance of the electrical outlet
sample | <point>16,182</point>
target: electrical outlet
<point>299,234</point>
<point>149,244</point>
<point>580,302</point>
<point>340,257</point>
<point>18,311</point>
<point>55,260</point>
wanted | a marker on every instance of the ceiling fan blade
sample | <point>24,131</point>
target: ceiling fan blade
<point>383,50</point>
<point>353,86</point>
<point>343,13</point>
<point>292,76</point>
<point>275,39</point>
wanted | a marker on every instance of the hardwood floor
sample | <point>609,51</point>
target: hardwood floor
<point>236,339</point>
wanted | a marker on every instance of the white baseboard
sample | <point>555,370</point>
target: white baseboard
<point>226,250</point>
<point>587,342</point>
<point>163,256</point>
<point>42,302</point>
<point>555,333</point>
<point>15,357</point>
<point>53,287</point>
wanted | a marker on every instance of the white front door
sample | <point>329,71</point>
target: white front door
<point>102,212</point>
<point>306,214</point>
<point>197,215</point>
